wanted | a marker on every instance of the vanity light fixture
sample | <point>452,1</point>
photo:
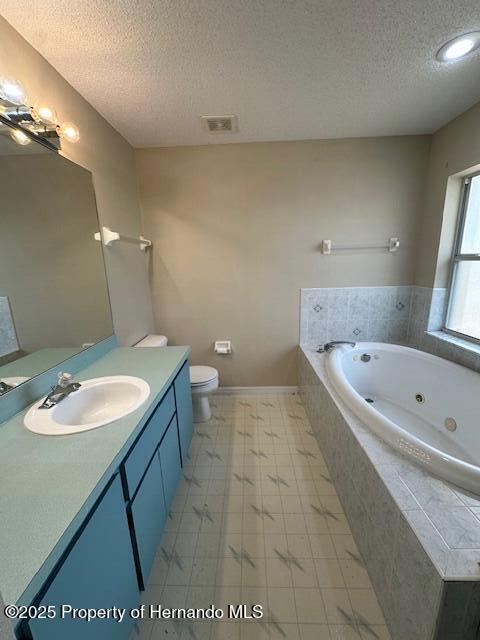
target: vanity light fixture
<point>41,120</point>
<point>459,47</point>
<point>19,137</point>
<point>12,91</point>
<point>69,131</point>
<point>45,114</point>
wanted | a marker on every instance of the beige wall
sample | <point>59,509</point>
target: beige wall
<point>455,149</point>
<point>110,158</point>
<point>237,229</point>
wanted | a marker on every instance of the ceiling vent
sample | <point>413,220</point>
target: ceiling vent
<point>220,124</point>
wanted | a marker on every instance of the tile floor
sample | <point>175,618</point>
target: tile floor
<point>257,520</point>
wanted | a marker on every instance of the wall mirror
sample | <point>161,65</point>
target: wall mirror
<point>53,289</point>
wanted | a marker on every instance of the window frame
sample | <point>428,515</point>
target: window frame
<point>459,257</point>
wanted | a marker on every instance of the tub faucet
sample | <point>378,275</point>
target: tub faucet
<point>60,391</point>
<point>326,348</point>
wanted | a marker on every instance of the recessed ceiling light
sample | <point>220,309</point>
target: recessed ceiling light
<point>459,47</point>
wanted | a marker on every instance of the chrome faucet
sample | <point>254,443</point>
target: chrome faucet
<point>60,391</point>
<point>4,387</point>
<point>326,348</point>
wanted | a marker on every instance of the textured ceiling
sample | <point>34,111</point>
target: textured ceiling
<point>290,69</point>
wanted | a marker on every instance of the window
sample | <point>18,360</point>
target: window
<point>463,317</point>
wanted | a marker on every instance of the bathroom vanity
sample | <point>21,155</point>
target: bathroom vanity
<point>82,515</point>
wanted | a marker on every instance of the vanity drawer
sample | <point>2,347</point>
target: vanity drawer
<point>143,450</point>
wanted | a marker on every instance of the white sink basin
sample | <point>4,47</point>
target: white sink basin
<point>98,402</point>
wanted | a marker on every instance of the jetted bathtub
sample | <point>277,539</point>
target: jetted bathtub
<point>424,406</point>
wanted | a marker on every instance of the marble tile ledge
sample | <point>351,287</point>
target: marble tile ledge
<point>444,518</point>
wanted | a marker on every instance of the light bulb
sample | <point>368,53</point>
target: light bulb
<point>12,91</point>
<point>44,113</point>
<point>459,47</point>
<point>69,131</point>
<point>19,137</point>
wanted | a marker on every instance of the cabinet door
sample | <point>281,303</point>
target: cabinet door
<point>142,451</point>
<point>149,515</point>
<point>169,453</point>
<point>99,571</point>
<point>183,398</point>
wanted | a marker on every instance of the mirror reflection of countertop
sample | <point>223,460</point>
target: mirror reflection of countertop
<point>37,362</point>
<point>48,484</point>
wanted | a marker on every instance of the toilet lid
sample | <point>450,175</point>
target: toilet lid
<point>202,375</point>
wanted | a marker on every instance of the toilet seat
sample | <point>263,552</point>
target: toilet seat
<point>203,380</point>
<point>202,375</point>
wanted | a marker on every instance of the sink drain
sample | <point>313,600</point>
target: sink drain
<point>451,424</point>
<point>420,398</point>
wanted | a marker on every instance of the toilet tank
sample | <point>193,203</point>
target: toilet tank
<point>153,340</point>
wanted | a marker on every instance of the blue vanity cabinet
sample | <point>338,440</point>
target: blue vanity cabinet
<point>148,515</point>
<point>155,459</point>
<point>170,463</point>
<point>148,441</point>
<point>183,397</point>
<point>99,571</point>
<point>151,503</point>
<point>109,558</point>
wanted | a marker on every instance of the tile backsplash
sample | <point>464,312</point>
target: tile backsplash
<point>8,337</point>
<point>427,319</point>
<point>379,314</point>
<point>409,315</point>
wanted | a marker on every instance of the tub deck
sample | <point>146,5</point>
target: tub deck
<point>419,535</point>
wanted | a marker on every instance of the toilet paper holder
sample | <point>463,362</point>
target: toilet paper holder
<point>223,347</point>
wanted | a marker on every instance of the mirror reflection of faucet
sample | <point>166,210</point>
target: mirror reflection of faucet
<point>4,387</point>
<point>10,382</point>
<point>60,391</point>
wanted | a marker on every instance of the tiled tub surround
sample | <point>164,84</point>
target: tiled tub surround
<point>419,536</point>
<point>8,336</point>
<point>427,318</point>
<point>408,315</point>
<point>257,520</point>
<point>376,314</point>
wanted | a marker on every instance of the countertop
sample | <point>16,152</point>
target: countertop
<point>49,483</point>
<point>37,362</point>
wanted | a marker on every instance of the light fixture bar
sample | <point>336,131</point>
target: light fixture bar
<point>18,133</point>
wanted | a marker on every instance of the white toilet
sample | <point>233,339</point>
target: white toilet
<point>203,380</point>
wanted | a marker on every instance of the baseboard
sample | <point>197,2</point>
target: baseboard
<point>225,391</point>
